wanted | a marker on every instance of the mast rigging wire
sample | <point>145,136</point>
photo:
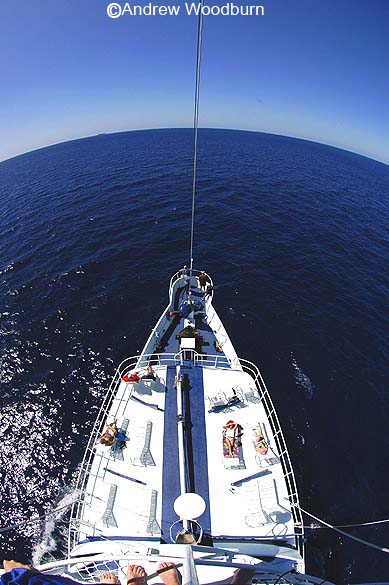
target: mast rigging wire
<point>346,534</point>
<point>351,525</point>
<point>53,512</point>
<point>196,125</point>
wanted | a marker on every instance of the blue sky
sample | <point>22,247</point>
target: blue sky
<point>314,69</point>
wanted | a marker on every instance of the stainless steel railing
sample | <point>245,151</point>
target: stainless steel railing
<point>208,361</point>
<point>179,273</point>
<point>88,569</point>
<point>279,438</point>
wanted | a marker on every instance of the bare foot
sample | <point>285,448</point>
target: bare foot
<point>109,578</point>
<point>169,574</point>
<point>136,574</point>
<point>242,576</point>
<point>9,565</point>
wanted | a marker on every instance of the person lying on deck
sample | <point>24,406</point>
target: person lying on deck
<point>259,440</point>
<point>108,438</point>
<point>232,432</point>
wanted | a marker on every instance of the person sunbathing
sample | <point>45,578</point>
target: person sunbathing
<point>231,433</point>
<point>108,438</point>
<point>259,440</point>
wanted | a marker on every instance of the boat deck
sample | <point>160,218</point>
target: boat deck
<point>130,492</point>
<point>206,345</point>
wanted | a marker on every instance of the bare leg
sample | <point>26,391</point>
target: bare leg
<point>109,578</point>
<point>169,576</point>
<point>136,574</point>
<point>230,445</point>
<point>9,565</point>
<point>259,433</point>
<point>242,576</point>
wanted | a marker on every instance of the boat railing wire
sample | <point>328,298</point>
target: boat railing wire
<point>180,273</point>
<point>283,453</point>
<point>206,361</point>
<point>90,568</point>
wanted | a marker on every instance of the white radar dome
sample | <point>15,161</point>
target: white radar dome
<point>189,506</point>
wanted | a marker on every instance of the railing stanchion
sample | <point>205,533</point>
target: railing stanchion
<point>214,361</point>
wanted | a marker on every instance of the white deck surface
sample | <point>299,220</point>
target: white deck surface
<point>256,508</point>
<point>131,508</point>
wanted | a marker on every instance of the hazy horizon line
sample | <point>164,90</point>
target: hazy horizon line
<point>386,163</point>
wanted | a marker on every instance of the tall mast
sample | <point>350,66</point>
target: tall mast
<point>196,125</point>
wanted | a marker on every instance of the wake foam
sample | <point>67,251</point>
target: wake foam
<point>54,530</point>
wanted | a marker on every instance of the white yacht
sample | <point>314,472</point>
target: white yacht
<point>187,463</point>
<point>198,473</point>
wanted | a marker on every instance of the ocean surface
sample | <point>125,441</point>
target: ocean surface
<point>295,236</point>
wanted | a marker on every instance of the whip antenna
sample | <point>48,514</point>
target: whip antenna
<point>196,125</point>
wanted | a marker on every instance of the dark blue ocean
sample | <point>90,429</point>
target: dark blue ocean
<point>295,236</point>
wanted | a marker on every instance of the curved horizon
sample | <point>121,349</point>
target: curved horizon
<point>303,70</point>
<point>301,138</point>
